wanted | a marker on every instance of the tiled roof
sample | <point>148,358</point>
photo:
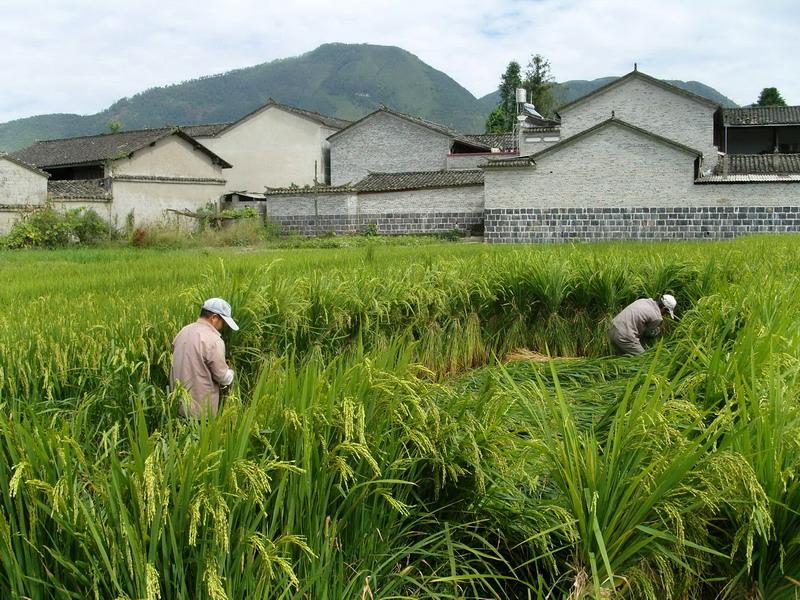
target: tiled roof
<point>169,179</point>
<point>437,127</point>
<point>755,178</point>
<point>759,164</point>
<point>761,115</point>
<point>638,74</point>
<point>208,130</point>
<point>331,122</point>
<point>539,130</point>
<point>493,140</point>
<point>81,188</point>
<point>417,180</point>
<point>23,164</point>
<point>95,149</point>
<point>305,190</point>
<point>520,162</point>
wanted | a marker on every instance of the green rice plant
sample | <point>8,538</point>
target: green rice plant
<point>642,498</point>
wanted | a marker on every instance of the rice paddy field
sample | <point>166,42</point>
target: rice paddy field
<point>438,421</point>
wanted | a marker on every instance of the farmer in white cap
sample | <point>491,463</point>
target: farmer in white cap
<point>198,359</point>
<point>640,318</point>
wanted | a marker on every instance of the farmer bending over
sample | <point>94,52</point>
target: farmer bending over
<point>640,318</point>
<point>198,359</point>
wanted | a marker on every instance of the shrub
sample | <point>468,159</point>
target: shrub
<point>87,226</point>
<point>452,235</point>
<point>48,228</point>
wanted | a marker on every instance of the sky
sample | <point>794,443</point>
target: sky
<point>79,56</point>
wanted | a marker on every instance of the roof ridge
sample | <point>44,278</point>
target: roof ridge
<point>109,133</point>
<point>646,77</point>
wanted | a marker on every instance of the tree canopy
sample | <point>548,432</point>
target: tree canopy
<point>538,83</point>
<point>770,96</point>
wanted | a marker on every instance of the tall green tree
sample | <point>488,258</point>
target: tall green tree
<point>539,84</point>
<point>501,119</point>
<point>537,80</point>
<point>770,97</point>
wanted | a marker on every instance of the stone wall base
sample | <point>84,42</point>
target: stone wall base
<point>384,223</point>
<point>521,225</point>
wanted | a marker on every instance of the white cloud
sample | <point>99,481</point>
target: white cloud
<point>80,56</point>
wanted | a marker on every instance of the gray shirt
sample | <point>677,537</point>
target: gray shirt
<point>198,363</point>
<point>642,317</point>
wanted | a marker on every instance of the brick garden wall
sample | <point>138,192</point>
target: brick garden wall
<point>425,211</point>
<point>526,225</point>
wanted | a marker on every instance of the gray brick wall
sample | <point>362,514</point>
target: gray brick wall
<point>526,225</point>
<point>616,167</point>
<point>390,213</point>
<point>386,144</point>
<point>650,107</point>
<point>406,223</point>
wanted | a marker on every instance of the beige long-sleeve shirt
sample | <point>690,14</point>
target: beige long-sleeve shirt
<point>636,319</point>
<point>198,363</point>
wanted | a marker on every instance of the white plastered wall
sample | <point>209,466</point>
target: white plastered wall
<point>19,185</point>
<point>172,156</point>
<point>272,148</point>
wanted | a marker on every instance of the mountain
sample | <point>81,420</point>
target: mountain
<point>340,80</point>
<point>572,90</point>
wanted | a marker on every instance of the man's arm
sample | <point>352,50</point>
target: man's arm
<point>654,327</point>
<point>215,359</point>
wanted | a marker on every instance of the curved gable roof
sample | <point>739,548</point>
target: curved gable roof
<point>636,74</point>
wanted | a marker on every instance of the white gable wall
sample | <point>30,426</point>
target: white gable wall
<point>651,107</point>
<point>169,157</point>
<point>272,148</point>
<point>19,185</point>
<point>385,143</point>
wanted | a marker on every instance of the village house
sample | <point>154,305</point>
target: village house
<point>387,141</point>
<point>637,160</point>
<point>274,146</point>
<point>137,175</point>
<point>22,187</point>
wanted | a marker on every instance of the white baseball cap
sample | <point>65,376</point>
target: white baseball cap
<point>669,303</point>
<point>218,306</point>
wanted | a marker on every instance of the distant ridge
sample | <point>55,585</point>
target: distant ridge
<point>339,80</point>
<point>572,90</point>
